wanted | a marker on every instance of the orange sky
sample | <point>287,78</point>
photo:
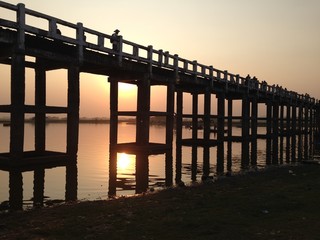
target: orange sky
<point>276,41</point>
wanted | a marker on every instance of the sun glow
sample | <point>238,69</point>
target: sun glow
<point>127,89</point>
<point>125,161</point>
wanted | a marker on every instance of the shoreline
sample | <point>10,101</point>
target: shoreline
<point>276,203</point>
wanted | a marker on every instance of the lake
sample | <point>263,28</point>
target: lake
<point>92,179</point>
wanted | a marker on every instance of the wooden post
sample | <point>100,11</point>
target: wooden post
<point>275,133</point>
<point>195,124</point>
<point>142,172</point>
<point>281,135</point>
<point>245,132</point>
<point>15,190</point>
<point>179,136</point>
<point>18,88</point>
<point>40,104</point>
<point>71,179</point>
<point>206,134</point>
<point>194,151</point>
<point>306,132</point>
<point>38,187</point>
<point>114,92</point>
<point>311,132</point>
<point>169,168</point>
<point>73,110</point>
<point>220,133</point>
<point>143,112</point>
<point>142,133</point>
<point>112,171</point>
<point>294,133</point>
<point>288,132</point>
<point>269,132</point>
<point>254,131</point>
<point>169,133</point>
<point>300,113</point>
<point>17,106</point>
<point>229,151</point>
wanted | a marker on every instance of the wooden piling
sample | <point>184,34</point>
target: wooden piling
<point>299,132</point>
<point>143,112</point>
<point>254,130</point>
<point>38,186</point>
<point>40,104</point>
<point>220,133</point>
<point>17,105</point>
<point>275,133</point>
<point>206,133</point>
<point>269,132</point>
<point>288,132</point>
<point>179,136</point>
<point>245,118</point>
<point>73,110</point>
<point>229,150</point>
<point>293,133</point>
<point>306,133</point>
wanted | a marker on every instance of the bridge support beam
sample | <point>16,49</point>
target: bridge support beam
<point>206,133</point>
<point>288,132</point>
<point>245,132</point>
<point>40,103</point>
<point>293,133</point>
<point>73,110</point>
<point>220,133</point>
<point>306,133</point>
<point>254,130</point>
<point>194,150</point>
<point>229,150</point>
<point>269,132</point>
<point>17,105</point>
<point>169,133</point>
<point>179,136</point>
<point>275,133</point>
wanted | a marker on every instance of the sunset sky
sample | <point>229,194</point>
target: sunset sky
<point>274,40</point>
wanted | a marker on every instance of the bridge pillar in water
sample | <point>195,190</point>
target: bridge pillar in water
<point>40,103</point>
<point>293,132</point>
<point>220,132</point>
<point>195,126</point>
<point>306,133</point>
<point>143,112</point>
<point>281,133</point>
<point>269,132</point>
<point>206,133</point>
<point>275,133</point>
<point>245,129</point>
<point>73,110</point>
<point>229,133</point>
<point>288,132</point>
<point>17,105</point>
<point>254,130</point>
<point>179,136</point>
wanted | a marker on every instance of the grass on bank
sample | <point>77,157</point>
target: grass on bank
<point>279,203</point>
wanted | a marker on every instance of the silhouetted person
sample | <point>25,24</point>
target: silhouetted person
<point>115,40</point>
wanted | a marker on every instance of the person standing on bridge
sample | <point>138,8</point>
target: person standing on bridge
<point>115,40</point>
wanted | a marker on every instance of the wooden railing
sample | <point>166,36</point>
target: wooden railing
<point>87,38</point>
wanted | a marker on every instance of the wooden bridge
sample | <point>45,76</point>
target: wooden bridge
<point>289,115</point>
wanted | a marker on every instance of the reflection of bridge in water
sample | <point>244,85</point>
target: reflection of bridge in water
<point>289,115</point>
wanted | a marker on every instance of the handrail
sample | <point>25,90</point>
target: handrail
<point>152,57</point>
